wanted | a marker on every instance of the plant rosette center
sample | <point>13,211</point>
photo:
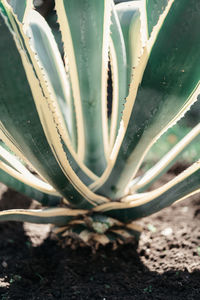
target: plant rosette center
<point>95,230</point>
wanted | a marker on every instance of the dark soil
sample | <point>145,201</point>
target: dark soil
<point>165,264</point>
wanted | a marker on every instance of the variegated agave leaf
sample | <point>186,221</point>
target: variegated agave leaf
<point>58,142</point>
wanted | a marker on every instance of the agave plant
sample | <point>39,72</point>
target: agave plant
<point>84,94</point>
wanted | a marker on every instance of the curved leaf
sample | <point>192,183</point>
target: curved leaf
<point>88,62</point>
<point>170,85</point>
<point>118,63</point>
<point>143,182</point>
<point>19,7</point>
<point>134,32</point>
<point>37,149</point>
<point>19,186</point>
<point>10,164</point>
<point>141,205</point>
<point>43,43</point>
<point>154,8</point>
<point>57,216</point>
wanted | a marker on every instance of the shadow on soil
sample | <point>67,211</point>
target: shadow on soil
<point>50,272</point>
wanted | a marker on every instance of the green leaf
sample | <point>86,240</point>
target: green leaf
<point>52,21</point>
<point>154,8</point>
<point>170,85</point>
<point>43,198</point>
<point>118,64</point>
<point>48,112</point>
<point>47,53</point>
<point>26,128</point>
<point>163,165</point>
<point>19,7</point>
<point>16,168</point>
<point>130,20</point>
<point>57,216</point>
<point>88,62</point>
<point>141,205</point>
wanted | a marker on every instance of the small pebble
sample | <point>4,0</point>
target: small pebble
<point>167,231</point>
<point>185,209</point>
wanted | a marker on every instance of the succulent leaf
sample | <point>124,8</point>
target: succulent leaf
<point>57,216</point>
<point>20,7</point>
<point>143,204</point>
<point>14,167</point>
<point>88,63</point>
<point>42,42</point>
<point>37,149</point>
<point>44,198</point>
<point>169,86</point>
<point>163,165</point>
<point>118,61</point>
<point>129,14</point>
<point>154,8</point>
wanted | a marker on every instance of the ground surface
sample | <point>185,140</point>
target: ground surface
<point>165,265</point>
